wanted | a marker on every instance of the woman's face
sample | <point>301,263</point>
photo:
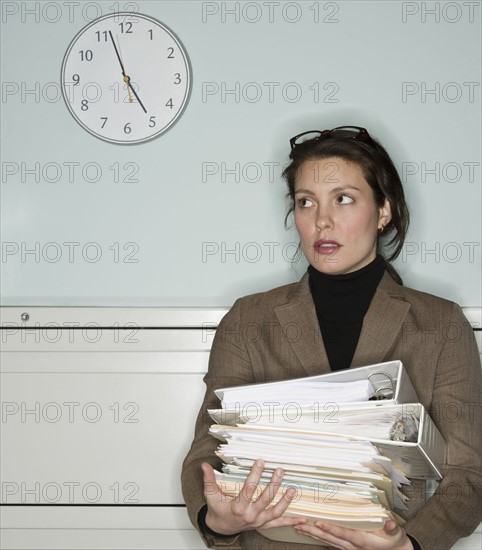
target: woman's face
<point>336,215</point>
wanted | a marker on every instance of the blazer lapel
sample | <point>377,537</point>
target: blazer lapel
<point>299,322</point>
<point>381,325</point>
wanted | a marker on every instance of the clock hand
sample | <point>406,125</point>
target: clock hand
<point>135,93</point>
<point>127,78</point>
<point>118,56</point>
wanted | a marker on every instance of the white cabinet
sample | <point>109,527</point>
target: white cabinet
<point>98,408</point>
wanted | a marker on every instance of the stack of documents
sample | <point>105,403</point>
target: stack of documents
<point>299,391</point>
<point>347,458</point>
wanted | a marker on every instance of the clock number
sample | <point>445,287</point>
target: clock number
<point>169,103</point>
<point>150,32</point>
<point>84,105</point>
<point>104,118</point>
<point>127,128</point>
<point>76,79</point>
<point>152,122</point>
<point>171,51</point>
<point>177,78</point>
<point>99,34</point>
<point>86,55</point>
<point>128,27</point>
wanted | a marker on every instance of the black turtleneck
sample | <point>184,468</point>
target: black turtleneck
<point>341,302</point>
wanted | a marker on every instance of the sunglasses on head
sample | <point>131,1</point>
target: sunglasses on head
<point>343,132</point>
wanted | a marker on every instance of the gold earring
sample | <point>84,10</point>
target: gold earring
<point>381,229</point>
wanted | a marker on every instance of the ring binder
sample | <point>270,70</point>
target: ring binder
<point>401,388</point>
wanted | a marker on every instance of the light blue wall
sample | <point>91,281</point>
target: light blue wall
<point>371,64</point>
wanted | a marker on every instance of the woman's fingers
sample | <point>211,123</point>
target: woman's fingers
<point>251,484</point>
<point>270,490</point>
<point>211,488</point>
<point>280,507</point>
<point>389,538</point>
<point>271,514</point>
<point>318,532</point>
<point>246,511</point>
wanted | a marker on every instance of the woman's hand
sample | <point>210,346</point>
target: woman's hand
<point>227,515</point>
<point>391,537</point>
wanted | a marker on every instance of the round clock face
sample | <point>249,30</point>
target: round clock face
<point>126,78</point>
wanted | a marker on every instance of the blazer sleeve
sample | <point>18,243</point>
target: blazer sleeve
<point>229,365</point>
<point>454,510</point>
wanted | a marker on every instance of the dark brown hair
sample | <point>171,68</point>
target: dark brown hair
<point>379,172</point>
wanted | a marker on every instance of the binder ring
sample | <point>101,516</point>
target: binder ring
<point>383,392</point>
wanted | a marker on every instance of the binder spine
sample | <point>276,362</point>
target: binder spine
<point>432,443</point>
<point>405,392</point>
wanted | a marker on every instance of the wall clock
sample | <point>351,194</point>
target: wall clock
<point>126,78</point>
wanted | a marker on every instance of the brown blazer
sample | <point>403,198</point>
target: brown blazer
<point>275,335</point>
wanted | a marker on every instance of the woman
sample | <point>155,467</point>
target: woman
<point>349,310</point>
